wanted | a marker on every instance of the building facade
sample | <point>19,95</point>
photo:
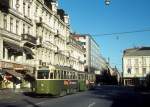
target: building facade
<point>92,56</point>
<point>34,33</point>
<point>136,65</point>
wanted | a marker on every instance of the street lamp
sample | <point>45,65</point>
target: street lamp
<point>107,2</point>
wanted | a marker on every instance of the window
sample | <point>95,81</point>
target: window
<point>137,70</point>
<point>50,18</point>
<point>129,70</point>
<point>17,5</point>
<point>28,11</point>
<point>65,75</point>
<point>55,74</point>
<point>23,28</point>
<point>51,75</point>
<point>11,24</point>
<point>144,71</point>
<point>58,74</point>
<point>17,26</point>
<point>5,21</point>
<point>11,3</point>
<point>24,5</point>
<point>129,62</point>
<point>36,10</point>
<point>28,29</point>
<point>136,61</point>
<point>62,75</point>
<point>144,61</point>
<point>43,74</point>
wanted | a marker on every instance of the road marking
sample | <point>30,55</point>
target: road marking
<point>41,103</point>
<point>92,104</point>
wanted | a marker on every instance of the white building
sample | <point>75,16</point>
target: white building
<point>34,33</point>
<point>92,57</point>
<point>136,64</point>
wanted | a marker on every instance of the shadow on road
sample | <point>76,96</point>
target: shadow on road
<point>30,103</point>
<point>34,95</point>
<point>122,96</point>
<point>11,106</point>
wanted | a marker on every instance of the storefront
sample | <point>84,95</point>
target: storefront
<point>15,76</point>
<point>128,81</point>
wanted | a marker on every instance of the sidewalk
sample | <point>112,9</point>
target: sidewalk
<point>11,93</point>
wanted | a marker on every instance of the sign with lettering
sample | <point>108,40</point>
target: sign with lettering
<point>72,82</point>
<point>14,66</point>
<point>66,82</point>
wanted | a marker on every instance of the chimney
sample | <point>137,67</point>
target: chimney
<point>66,19</point>
<point>54,5</point>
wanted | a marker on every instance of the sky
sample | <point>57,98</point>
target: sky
<point>95,18</point>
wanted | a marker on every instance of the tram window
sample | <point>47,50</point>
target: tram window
<point>62,75</point>
<point>70,75</point>
<point>51,75</point>
<point>67,75</point>
<point>79,76</point>
<point>55,74</point>
<point>42,74</point>
<point>58,74</point>
<point>73,75</point>
<point>76,76</point>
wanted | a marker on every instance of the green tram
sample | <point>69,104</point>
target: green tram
<point>59,81</point>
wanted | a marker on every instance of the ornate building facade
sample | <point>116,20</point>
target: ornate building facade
<point>136,65</point>
<point>34,33</point>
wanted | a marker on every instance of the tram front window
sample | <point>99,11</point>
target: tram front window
<point>43,74</point>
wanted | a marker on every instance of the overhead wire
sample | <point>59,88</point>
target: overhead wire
<point>122,33</point>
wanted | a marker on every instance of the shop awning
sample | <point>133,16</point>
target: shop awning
<point>13,73</point>
<point>28,50</point>
<point>12,46</point>
<point>30,74</point>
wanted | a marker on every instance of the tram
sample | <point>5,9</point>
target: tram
<point>60,81</point>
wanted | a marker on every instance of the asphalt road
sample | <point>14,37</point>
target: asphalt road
<point>102,96</point>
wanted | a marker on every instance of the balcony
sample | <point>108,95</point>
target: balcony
<point>4,5</point>
<point>9,34</point>
<point>28,40</point>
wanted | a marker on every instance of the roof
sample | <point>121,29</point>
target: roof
<point>138,51</point>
